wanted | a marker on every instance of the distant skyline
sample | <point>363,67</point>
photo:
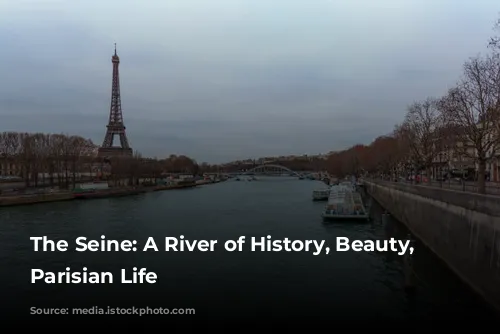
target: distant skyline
<point>225,80</point>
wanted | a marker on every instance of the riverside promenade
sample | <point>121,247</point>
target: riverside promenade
<point>492,188</point>
<point>39,197</point>
<point>460,227</point>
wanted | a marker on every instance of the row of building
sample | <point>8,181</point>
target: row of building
<point>450,163</point>
<point>459,157</point>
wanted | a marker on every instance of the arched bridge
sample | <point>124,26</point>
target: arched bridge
<point>270,169</point>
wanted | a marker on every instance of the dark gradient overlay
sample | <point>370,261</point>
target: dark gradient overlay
<point>242,288</point>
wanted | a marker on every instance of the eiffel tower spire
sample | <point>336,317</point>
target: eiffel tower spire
<point>115,125</point>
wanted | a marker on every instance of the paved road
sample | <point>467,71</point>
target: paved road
<point>492,188</point>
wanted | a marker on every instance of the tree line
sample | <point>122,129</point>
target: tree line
<point>60,159</point>
<point>35,155</point>
<point>464,124</point>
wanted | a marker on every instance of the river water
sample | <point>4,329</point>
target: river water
<point>230,285</point>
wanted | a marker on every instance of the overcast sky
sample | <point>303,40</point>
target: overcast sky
<point>220,80</point>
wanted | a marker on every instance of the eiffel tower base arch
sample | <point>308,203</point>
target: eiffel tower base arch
<point>112,152</point>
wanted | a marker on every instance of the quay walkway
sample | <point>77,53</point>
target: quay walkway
<point>492,188</point>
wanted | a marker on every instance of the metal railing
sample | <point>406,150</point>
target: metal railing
<point>492,188</point>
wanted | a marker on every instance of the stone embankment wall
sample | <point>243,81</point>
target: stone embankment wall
<point>462,228</point>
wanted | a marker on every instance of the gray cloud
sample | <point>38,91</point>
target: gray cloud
<point>227,79</point>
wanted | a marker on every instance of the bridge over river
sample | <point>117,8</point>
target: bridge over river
<point>274,170</point>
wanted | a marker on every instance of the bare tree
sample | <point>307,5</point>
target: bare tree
<point>9,148</point>
<point>26,156</point>
<point>55,163</point>
<point>135,170</point>
<point>494,42</point>
<point>420,130</point>
<point>472,107</point>
<point>37,164</point>
<point>45,155</point>
<point>3,145</point>
<point>78,148</point>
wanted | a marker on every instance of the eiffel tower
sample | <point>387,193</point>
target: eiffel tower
<point>115,125</point>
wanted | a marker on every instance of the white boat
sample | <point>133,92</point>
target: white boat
<point>321,194</point>
<point>344,203</point>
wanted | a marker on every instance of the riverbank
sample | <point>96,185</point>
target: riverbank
<point>35,199</point>
<point>6,201</point>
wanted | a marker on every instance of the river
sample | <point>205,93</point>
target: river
<point>221,284</point>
